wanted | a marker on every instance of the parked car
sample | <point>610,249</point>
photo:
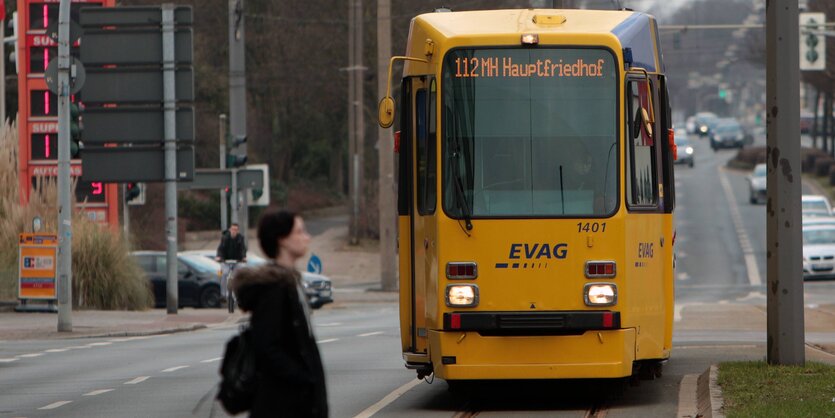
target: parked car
<point>685,150</point>
<point>727,133</point>
<point>318,288</point>
<point>757,184</point>
<point>819,252</point>
<point>818,220</point>
<point>815,205</point>
<point>198,278</point>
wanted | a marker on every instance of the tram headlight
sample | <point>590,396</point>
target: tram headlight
<point>600,294</point>
<point>462,295</point>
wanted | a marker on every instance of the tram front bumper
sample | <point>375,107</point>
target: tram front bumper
<point>465,355</point>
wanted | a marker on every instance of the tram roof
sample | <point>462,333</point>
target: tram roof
<point>517,21</point>
<point>634,30</point>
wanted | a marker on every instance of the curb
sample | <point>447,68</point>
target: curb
<point>709,401</point>
<point>188,328</point>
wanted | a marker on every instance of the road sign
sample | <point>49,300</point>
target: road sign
<point>127,164</point>
<point>216,179</point>
<point>132,16</point>
<point>124,92</point>
<point>133,46</point>
<point>315,264</point>
<point>812,43</point>
<point>37,266</point>
<point>107,125</point>
<point>77,75</point>
<point>134,86</point>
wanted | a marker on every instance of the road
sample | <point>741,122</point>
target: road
<point>721,258</point>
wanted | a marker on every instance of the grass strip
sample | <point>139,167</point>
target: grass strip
<point>756,389</point>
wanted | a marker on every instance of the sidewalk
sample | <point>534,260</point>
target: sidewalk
<point>354,271</point>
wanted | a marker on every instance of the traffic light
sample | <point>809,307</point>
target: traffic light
<point>76,128</point>
<point>134,194</point>
<point>234,160</point>
<point>257,193</point>
<point>812,54</point>
<point>812,43</point>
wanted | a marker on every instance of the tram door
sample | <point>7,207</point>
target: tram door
<point>422,132</point>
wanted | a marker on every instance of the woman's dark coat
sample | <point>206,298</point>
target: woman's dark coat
<point>291,380</point>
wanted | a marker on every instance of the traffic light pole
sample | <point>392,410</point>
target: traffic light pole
<point>784,296</point>
<point>170,118</point>
<point>64,199</point>
<point>222,152</point>
<point>237,105</point>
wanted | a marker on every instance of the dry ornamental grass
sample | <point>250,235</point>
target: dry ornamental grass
<point>104,275</point>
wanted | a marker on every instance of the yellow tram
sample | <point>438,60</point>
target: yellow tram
<point>535,195</point>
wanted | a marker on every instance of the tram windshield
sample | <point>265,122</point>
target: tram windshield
<point>529,132</point>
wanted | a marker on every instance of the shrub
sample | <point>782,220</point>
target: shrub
<point>822,166</point>
<point>105,276</point>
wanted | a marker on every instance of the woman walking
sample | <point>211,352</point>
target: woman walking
<point>291,380</point>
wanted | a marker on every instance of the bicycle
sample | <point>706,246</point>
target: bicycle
<point>231,265</point>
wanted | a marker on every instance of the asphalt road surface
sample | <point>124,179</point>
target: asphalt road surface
<point>720,246</point>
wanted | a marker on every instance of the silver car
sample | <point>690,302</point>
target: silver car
<point>819,252</point>
<point>756,184</point>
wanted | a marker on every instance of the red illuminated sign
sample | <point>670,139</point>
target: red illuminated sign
<point>38,121</point>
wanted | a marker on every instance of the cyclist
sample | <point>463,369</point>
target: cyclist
<point>232,250</point>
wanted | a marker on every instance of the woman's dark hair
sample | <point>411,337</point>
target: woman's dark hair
<point>273,226</point>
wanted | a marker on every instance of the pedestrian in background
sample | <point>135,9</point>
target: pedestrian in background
<point>232,248</point>
<point>291,380</point>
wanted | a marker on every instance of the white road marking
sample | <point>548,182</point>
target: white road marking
<point>56,350</point>
<point>330,324</point>
<point>56,405</point>
<point>391,397</point>
<point>139,379</point>
<point>97,392</point>
<point>119,340</point>
<point>8,360</point>
<point>368,334</point>
<point>680,307</point>
<point>682,276</point>
<point>174,369</point>
<point>99,344</point>
<point>744,242</point>
<point>212,360</point>
<point>30,355</point>
<point>78,347</point>
<point>751,295</point>
<point>327,341</point>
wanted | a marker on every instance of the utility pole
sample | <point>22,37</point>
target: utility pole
<point>64,198</point>
<point>222,153</point>
<point>786,337</point>
<point>237,104</point>
<point>353,230</point>
<point>359,114</point>
<point>170,118</point>
<point>385,154</point>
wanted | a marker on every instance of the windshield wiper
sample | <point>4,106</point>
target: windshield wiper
<point>459,189</point>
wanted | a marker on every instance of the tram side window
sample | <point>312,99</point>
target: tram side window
<point>426,144</point>
<point>641,176</point>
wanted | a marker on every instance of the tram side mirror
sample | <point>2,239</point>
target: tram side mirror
<point>386,112</point>
<point>642,119</point>
<point>646,121</point>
